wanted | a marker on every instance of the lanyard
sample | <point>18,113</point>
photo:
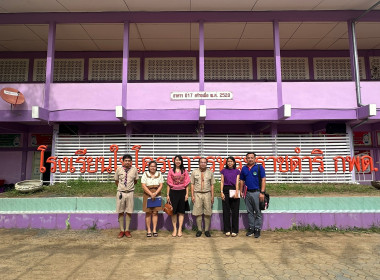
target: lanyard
<point>126,175</point>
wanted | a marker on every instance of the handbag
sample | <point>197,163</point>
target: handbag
<point>168,208</point>
<point>265,204</point>
<point>187,206</point>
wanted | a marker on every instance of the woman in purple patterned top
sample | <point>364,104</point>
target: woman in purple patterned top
<point>230,197</point>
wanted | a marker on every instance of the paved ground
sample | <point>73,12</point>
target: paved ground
<point>42,254</point>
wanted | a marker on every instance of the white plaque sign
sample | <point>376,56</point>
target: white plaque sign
<point>194,95</point>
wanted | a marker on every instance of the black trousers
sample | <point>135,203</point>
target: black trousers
<point>230,208</point>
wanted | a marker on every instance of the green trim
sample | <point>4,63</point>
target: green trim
<point>107,204</point>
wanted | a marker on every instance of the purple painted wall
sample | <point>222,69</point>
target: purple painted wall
<point>33,94</point>
<point>188,16</point>
<point>247,95</point>
<point>157,96</point>
<point>10,166</point>
<point>92,102</point>
<point>370,93</point>
<point>109,221</point>
<point>29,165</point>
<point>331,95</point>
<point>85,96</point>
<point>146,96</point>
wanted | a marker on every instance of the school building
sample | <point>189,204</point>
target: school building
<point>298,82</point>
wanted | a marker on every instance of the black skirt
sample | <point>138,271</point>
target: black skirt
<point>177,198</point>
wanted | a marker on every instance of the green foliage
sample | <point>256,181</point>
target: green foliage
<point>314,228</point>
<point>282,189</point>
<point>67,221</point>
<point>93,227</point>
<point>83,188</point>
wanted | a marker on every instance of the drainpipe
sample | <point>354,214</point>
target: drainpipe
<point>354,56</point>
<point>354,53</point>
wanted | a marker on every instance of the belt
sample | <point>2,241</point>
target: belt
<point>257,190</point>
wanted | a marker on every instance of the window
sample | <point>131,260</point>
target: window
<point>335,68</point>
<point>65,70</point>
<point>14,70</point>
<point>111,69</point>
<point>292,68</point>
<point>170,68</point>
<point>228,68</point>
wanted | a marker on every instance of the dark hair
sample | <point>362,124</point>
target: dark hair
<point>182,167</point>
<point>199,161</point>
<point>127,156</point>
<point>233,159</point>
<point>251,153</point>
<point>151,162</point>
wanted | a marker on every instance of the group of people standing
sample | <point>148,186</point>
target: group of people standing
<point>248,183</point>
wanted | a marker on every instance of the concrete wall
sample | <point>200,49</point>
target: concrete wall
<point>284,212</point>
<point>10,166</point>
<point>33,94</point>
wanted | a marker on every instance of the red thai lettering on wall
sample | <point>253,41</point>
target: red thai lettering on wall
<point>283,164</point>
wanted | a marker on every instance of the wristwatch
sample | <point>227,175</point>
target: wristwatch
<point>262,192</point>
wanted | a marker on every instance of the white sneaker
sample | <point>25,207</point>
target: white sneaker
<point>228,233</point>
<point>234,234</point>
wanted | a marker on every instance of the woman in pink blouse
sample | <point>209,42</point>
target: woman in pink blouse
<point>178,193</point>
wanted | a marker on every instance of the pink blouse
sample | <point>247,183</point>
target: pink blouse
<point>178,181</point>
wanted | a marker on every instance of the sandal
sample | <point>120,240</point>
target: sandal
<point>155,234</point>
<point>149,234</point>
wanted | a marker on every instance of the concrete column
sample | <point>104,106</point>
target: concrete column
<point>201,60</point>
<point>277,61</point>
<point>24,160</point>
<point>351,137</point>
<point>125,65</point>
<point>55,135</point>
<point>375,152</point>
<point>49,63</point>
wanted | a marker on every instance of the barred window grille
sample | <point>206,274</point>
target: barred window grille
<point>111,69</point>
<point>292,68</point>
<point>170,68</point>
<point>228,68</point>
<point>65,70</point>
<point>265,68</point>
<point>14,70</point>
<point>336,68</point>
<point>374,62</point>
<point>213,146</point>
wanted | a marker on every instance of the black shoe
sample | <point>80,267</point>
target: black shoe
<point>257,233</point>
<point>198,234</point>
<point>250,232</point>
<point>207,233</point>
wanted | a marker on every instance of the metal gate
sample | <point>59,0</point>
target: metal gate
<point>216,148</point>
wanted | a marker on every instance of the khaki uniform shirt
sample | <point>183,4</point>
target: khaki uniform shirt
<point>208,180</point>
<point>132,176</point>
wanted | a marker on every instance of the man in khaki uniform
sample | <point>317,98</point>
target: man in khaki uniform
<point>126,177</point>
<point>202,195</point>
